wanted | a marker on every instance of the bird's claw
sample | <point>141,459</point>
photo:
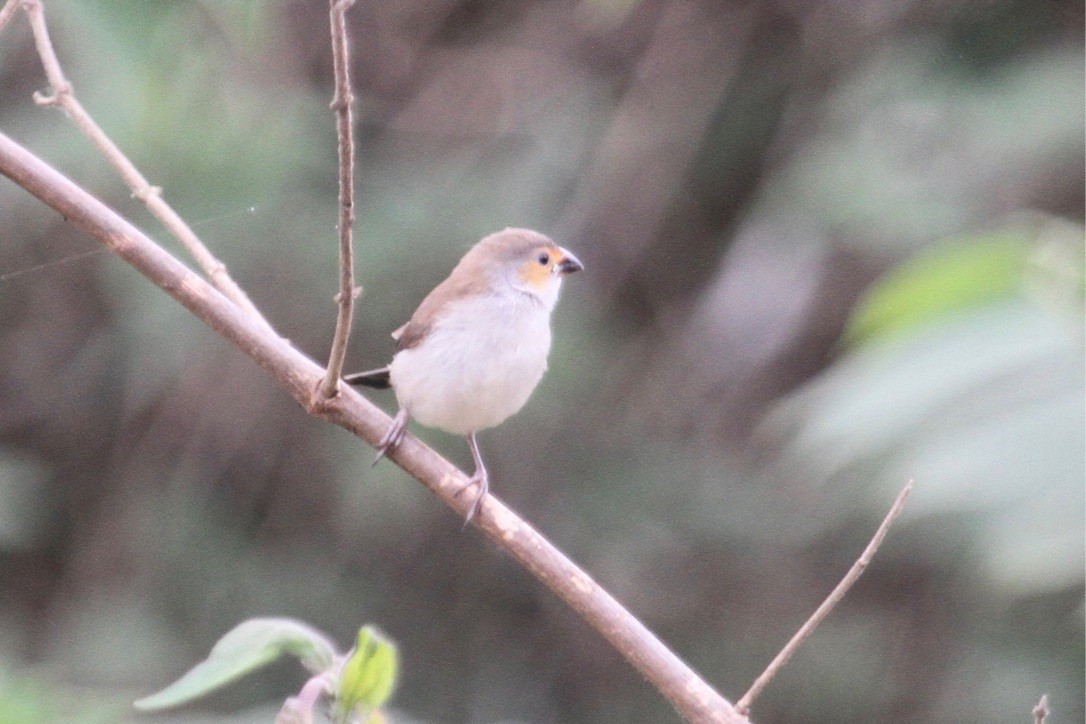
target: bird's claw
<point>392,438</point>
<point>484,488</point>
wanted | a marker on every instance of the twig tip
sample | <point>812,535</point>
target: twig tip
<point>1040,712</point>
<point>45,99</point>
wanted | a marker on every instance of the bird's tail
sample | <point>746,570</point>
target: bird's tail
<point>377,378</point>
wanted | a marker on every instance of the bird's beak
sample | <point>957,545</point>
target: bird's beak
<point>568,265</point>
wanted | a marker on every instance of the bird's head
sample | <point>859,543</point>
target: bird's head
<point>528,261</point>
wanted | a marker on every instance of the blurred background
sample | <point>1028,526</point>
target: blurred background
<point>830,247</point>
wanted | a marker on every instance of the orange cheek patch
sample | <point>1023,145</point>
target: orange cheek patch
<point>535,275</point>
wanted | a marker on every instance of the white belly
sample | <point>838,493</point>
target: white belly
<point>477,366</point>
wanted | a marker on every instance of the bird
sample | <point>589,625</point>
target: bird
<point>477,346</point>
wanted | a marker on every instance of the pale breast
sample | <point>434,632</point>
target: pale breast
<point>478,366</point>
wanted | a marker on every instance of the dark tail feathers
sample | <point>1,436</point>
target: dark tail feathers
<point>377,378</point>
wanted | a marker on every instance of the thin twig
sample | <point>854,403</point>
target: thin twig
<point>1041,712</point>
<point>743,705</point>
<point>64,97</point>
<point>341,105</point>
<point>691,695</point>
<point>8,12</point>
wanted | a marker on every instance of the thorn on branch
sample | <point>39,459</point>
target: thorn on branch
<point>55,98</point>
<point>355,294</point>
<point>342,102</point>
<point>147,192</point>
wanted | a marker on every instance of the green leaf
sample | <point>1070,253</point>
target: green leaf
<point>953,276</point>
<point>369,674</point>
<point>251,645</point>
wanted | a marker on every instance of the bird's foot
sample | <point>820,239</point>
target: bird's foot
<point>481,478</point>
<point>393,437</point>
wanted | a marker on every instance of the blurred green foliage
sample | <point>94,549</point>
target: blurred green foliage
<point>353,687</point>
<point>943,281</point>
<point>33,698</point>
<point>368,676</point>
<point>250,645</point>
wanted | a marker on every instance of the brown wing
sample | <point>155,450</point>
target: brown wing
<point>463,282</point>
<point>410,335</point>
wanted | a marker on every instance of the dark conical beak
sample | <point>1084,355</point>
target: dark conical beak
<point>569,264</point>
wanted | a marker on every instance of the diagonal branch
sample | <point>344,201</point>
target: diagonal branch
<point>832,600</point>
<point>63,96</point>
<point>691,695</point>
<point>341,105</point>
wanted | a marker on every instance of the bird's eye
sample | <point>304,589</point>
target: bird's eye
<point>543,258</point>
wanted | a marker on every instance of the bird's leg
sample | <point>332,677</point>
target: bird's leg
<point>394,435</point>
<point>479,476</point>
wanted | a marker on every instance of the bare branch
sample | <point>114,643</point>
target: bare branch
<point>341,105</point>
<point>1041,712</point>
<point>743,705</point>
<point>8,12</point>
<point>64,97</point>
<point>690,694</point>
